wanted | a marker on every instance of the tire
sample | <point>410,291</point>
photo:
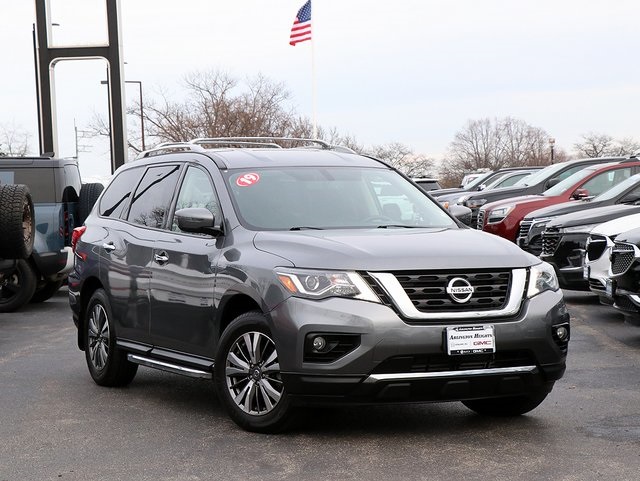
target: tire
<point>507,406</point>
<point>88,196</point>
<point>17,222</point>
<point>47,290</point>
<point>107,364</point>
<point>249,385</point>
<point>17,287</point>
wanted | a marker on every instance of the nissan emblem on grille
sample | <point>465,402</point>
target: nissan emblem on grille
<point>460,290</point>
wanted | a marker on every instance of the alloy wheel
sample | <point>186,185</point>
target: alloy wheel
<point>98,337</point>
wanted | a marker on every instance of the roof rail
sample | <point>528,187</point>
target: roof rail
<point>170,147</point>
<point>260,141</point>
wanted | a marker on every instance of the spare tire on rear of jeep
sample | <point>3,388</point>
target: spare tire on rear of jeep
<point>88,196</point>
<point>17,221</point>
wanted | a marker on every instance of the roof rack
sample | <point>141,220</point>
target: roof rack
<point>196,145</point>
<point>169,147</point>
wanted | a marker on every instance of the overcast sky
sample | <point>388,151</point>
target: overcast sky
<point>412,71</point>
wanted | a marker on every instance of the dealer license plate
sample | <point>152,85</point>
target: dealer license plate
<point>470,340</point>
<point>610,288</point>
<point>585,273</point>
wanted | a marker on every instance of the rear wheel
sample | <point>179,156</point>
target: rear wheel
<point>46,291</point>
<point>247,376</point>
<point>17,286</point>
<point>17,222</point>
<point>507,406</point>
<point>107,364</point>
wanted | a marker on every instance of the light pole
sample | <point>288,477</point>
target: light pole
<point>139,82</point>
<point>552,143</point>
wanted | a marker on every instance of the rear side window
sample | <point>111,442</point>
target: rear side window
<point>41,182</point>
<point>152,199</point>
<point>116,196</point>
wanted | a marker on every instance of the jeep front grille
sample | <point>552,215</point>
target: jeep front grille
<point>550,240</point>
<point>622,256</point>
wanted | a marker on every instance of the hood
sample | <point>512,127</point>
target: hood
<point>439,192</point>
<point>493,195</point>
<point>598,215</point>
<point>630,236</point>
<point>562,209</point>
<point>616,226</point>
<point>394,249</point>
<point>520,200</point>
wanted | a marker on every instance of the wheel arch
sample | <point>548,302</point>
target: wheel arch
<point>231,306</point>
<point>89,286</point>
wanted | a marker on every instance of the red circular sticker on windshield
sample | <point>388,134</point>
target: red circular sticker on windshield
<point>245,180</point>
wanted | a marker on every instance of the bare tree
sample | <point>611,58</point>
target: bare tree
<point>403,158</point>
<point>493,144</point>
<point>603,145</point>
<point>14,141</point>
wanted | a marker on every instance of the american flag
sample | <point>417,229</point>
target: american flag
<point>301,30</point>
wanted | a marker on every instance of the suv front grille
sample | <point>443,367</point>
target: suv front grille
<point>427,290</point>
<point>525,225</point>
<point>596,247</point>
<point>622,257</point>
<point>480,221</point>
<point>550,240</point>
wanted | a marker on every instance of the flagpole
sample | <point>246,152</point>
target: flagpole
<point>314,92</point>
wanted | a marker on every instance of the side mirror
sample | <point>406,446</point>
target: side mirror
<point>196,220</point>
<point>553,182</point>
<point>482,186</point>
<point>462,213</point>
<point>580,194</point>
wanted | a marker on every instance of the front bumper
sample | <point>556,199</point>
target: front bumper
<point>396,361</point>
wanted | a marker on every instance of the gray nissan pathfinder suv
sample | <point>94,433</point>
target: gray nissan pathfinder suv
<point>308,275</point>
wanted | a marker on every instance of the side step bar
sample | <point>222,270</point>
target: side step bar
<point>165,366</point>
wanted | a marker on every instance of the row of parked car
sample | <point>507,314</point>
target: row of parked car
<point>580,216</point>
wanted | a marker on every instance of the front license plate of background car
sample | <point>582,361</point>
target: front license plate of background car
<point>470,340</point>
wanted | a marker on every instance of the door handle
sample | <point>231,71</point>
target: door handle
<point>108,247</point>
<point>161,257</point>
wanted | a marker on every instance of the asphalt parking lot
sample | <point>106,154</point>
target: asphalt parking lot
<point>56,424</point>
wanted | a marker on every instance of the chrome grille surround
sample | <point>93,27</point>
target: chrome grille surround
<point>550,241</point>
<point>525,225</point>
<point>513,297</point>
<point>480,220</point>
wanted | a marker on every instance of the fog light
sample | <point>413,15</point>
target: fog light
<point>562,333</point>
<point>319,343</point>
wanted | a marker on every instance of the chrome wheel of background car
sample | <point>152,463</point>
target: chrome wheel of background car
<point>252,373</point>
<point>98,337</point>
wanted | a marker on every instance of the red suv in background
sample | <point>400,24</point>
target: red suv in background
<point>503,217</point>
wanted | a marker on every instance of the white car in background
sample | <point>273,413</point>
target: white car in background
<point>598,250</point>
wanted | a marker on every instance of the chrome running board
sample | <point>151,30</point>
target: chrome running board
<point>411,376</point>
<point>165,366</point>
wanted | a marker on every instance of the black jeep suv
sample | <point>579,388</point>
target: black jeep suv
<point>60,203</point>
<point>295,276</point>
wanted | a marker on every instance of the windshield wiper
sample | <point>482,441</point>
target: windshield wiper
<point>386,226</point>
<point>306,228</point>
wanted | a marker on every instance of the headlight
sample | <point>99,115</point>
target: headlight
<point>542,278</point>
<point>475,203</point>
<point>539,223</point>
<point>498,215</point>
<point>322,284</point>
<point>586,228</point>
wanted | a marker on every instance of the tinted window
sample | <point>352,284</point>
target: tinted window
<point>197,191</point>
<point>41,182</point>
<point>604,181</point>
<point>152,199</point>
<point>116,196</point>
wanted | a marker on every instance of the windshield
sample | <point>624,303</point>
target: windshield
<point>568,183</point>
<point>297,198</point>
<point>616,190</point>
<point>541,175</point>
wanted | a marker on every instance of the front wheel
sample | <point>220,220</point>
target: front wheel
<point>107,364</point>
<point>247,376</point>
<point>507,406</point>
